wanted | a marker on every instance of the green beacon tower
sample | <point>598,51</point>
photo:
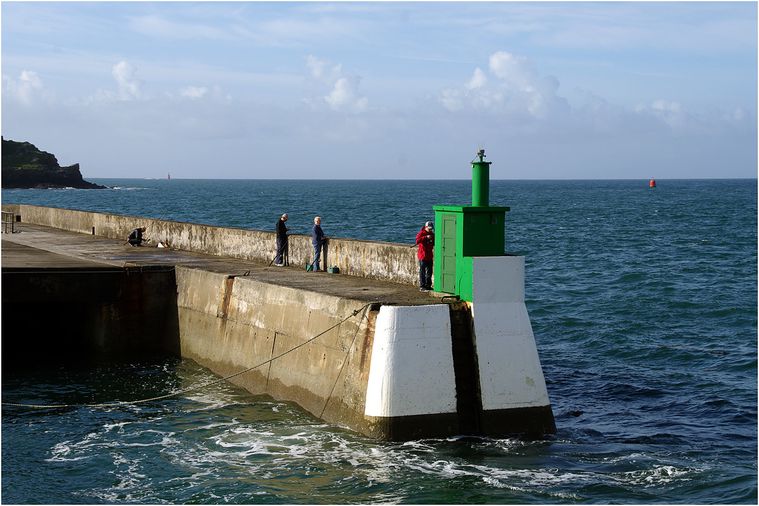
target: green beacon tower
<point>466,232</point>
<point>469,261</point>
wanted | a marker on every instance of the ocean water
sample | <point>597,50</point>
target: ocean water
<point>644,307</point>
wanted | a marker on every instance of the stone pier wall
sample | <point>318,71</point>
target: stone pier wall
<point>232,324</point>
<point>375,260</point>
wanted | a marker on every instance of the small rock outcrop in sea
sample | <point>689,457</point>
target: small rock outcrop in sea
<point>25,166</point>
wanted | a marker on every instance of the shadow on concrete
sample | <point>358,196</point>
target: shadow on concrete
<point>87,315</point>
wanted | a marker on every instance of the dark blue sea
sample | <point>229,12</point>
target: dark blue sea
<point>644,307</point>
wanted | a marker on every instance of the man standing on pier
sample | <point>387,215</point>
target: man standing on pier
<point>282,246</point>
<point>318,239</point>
<point>425,239</point>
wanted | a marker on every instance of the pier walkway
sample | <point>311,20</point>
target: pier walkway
<point>373,355</point>
<point>36,247</point>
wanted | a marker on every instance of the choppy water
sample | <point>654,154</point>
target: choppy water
<point>644,307</point>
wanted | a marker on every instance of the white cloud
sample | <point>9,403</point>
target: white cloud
<point>478,80</point>
<point>343,95</point>
<point>193,92</point>
<point>514,99</point>
<point>452,100</point>
<point>129,86</point>
<point>25,88</point>
<point>666,107</point>
<point>514,90</point>
<point>668,112</point>
<point>215,94</point>
<point>511,69</point>
<point>322,70</point>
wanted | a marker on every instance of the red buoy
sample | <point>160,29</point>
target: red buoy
<point>652,183</point>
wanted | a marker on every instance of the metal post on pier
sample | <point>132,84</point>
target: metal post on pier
<point>9,222</point>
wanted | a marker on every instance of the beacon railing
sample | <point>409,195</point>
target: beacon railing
<point>9,223</point>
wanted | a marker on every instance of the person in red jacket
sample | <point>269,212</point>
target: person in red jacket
<point>425,239</point>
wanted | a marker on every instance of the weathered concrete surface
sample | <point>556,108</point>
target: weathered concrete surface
<point>117,253</point>
<point>231,324</point>
<point>233,315</point>
<point>373,260</point>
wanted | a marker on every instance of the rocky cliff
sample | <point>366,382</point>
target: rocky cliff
<point>25,166</point>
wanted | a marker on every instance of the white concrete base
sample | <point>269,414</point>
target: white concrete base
<point>411,370</point>
<point>510,371</point>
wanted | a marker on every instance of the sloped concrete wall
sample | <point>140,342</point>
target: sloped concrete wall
<point>375,260</point>
<point>232,324</point>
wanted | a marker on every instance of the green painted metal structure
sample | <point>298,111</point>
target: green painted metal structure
<point>464,232</point>
<point>480,181</point>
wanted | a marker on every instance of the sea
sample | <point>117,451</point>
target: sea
<point>643,303</point>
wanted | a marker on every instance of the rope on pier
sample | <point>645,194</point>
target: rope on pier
<point>194,387</point>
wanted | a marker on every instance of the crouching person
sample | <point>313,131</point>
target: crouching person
<point>136,238</point>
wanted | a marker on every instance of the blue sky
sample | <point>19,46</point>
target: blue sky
<point>564,90</point>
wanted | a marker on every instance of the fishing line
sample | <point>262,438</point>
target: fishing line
<point>194,387</point>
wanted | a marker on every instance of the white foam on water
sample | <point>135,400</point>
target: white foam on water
<point>300,436</point>
<point>418,446</point>
<point>248,446</point>
<point>129,188</point>
<point>213,425</point>
<point>631,457</point>
<point>61,451</point>
<point>494,482</point>
<point>119,426</point>
<point>72,451</point>
<point>658,475</point>
<point>129,479</point>
<point>207,448</point>
<point>540,478</point>
<point>509,445</point>
<point>195,478</point>
<point>440,468</point>
<point>209,401</point>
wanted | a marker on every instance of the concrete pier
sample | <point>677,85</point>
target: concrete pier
<point>367,351</point>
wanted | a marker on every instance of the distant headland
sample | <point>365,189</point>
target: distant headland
<point>25,166</point>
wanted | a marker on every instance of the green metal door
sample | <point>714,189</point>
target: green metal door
<point>448,254</point>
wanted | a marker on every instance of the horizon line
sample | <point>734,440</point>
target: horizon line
<point>419,179</point>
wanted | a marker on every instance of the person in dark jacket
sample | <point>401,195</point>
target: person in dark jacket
<point>318,239</point>
<point>425,240</point>
<point>282,246</point>
<point>135,238</point>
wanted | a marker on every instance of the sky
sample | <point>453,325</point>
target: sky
<point>384,90</point>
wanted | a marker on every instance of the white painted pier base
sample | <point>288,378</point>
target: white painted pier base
<point>411,390</point>
<point>412,383</point>
<point>412,367</point>
<point>513,389</point>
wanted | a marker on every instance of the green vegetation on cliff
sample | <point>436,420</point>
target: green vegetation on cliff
<point>25,166</point>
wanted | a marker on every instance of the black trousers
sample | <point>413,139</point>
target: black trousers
<point>281,249</point>
<point>425,274</point>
